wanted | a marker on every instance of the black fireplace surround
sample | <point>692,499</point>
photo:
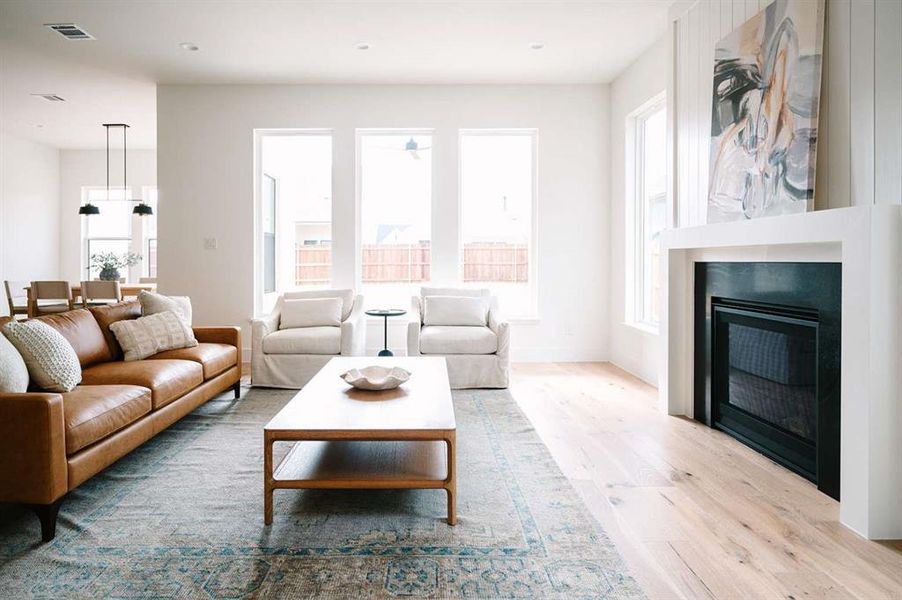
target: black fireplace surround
<point>767,360</point>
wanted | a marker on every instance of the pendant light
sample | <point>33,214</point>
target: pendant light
<point>87,208</point>
<point>141,209</point>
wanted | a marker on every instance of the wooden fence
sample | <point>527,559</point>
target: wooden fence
<point>410,263</point>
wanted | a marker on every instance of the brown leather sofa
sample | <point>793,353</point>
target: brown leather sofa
<point>51,443</point>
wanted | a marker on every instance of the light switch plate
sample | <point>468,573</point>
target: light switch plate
<point>210,243</point>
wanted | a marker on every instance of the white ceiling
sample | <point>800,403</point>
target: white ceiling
<point>113,78</point>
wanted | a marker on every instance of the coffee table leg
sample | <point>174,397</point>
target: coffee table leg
<point>451,481</point>
<point>267,479</point>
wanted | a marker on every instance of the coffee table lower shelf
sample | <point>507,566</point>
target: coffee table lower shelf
<point>359,465</point>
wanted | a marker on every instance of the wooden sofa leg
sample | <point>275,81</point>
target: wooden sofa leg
<point>47,514</point>
<point>237,389</point>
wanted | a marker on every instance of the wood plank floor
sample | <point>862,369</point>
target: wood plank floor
<point>695,513</point>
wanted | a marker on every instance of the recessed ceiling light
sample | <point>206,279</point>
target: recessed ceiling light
<point>362,46</point>
<point>189,46</point>
<point>536,45</point>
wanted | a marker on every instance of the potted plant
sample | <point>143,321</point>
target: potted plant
<point>109,263</point>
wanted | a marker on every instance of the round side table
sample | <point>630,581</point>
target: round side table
<point>385,313</point>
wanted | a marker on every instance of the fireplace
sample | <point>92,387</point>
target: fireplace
<point>767,361</point>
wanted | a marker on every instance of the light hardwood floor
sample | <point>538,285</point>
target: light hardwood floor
<point>695,513</point>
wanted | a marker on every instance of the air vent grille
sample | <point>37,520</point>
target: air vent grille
<point>70,31</point>
<point>50,97</point>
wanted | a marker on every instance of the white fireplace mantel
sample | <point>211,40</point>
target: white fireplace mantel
<point>867,241</point>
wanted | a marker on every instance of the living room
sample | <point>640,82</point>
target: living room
<point>451,299</point>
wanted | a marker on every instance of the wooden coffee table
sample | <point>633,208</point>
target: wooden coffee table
<point>352,439</point>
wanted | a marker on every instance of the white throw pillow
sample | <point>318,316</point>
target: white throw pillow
<point>310,312</point>
<point>455,310</point>
<point>49,357</point>
<point>149,335</point>
<point>13,372</point>
<point>153,303</point>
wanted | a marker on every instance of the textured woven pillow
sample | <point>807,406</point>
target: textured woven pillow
<point>146,336</point>
<point>50,359</point>
<point>153,303</point>
<point>13,372</point>
<point>310,312</point>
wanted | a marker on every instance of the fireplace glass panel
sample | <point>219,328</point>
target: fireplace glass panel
<point>773,376</point>
<point>764,380</point>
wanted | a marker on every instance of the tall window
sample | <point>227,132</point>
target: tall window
<point>395,182</point>
<point>649,208</point>
<point>296,198</point>
<point>497,202</point>
<point>111,230</point>
<point>149,233</point>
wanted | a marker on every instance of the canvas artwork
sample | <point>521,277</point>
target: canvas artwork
<point>767,79</point>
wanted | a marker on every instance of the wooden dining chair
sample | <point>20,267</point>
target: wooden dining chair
<point>48,297</point>
<point>147,280</point>
<point>98,293</point>
<point>17,297</point>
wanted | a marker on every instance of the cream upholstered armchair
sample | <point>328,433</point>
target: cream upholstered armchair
<point>303,332</point>
<point>465,326</point>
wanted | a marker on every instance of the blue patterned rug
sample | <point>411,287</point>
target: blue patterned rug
<point>181,517</point>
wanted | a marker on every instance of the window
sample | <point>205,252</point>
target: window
<point>497,195</point>
<point>149,233</point>
<point>111,230</point>
<point>649,208</point>
<point>269,233</point>
<point>395,179</point>
<point>296,210</point>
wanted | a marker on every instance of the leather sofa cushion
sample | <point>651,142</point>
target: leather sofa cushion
<point>167,379</point>
<point>94,412</point>
<point>84,334</point>
<point>304,340</point>
<point>215,358</point>
<point>109,314</point>
<point>450,339</point>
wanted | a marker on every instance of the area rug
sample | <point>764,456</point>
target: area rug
<point>182,517</point>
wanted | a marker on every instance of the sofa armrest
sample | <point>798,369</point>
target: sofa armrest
<point>219,335</point>
<point>33,465</point>
<point>414,324</point>
<point>353,330</point>
<point>501,328</point>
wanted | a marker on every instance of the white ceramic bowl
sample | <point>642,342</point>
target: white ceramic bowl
<point>376,377</point>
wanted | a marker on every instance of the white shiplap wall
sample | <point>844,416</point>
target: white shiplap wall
<point>860,143</point>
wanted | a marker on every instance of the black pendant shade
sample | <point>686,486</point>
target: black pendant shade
<point>143,210</point>
<point>88,209</point>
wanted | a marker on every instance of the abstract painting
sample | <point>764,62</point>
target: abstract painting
<point>767,79</point>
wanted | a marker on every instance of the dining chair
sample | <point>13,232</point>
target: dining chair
<point>17,297</point>
<point>48,297</point>
<point>98,293</point>
<point>147,280</point>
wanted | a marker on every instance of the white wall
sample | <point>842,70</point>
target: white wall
<point>860,128</point>
<point>87,168</point>
<point>633,349</point>
<point>29,211</point>
<point>206,178</point>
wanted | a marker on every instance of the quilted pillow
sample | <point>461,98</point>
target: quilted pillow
<point>50,359</point>
<point>310,312</point>
<point>153,303</point>
<point>455,310</point>
<point>149,335</point>
<point>13,372</point>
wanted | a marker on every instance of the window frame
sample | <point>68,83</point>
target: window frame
<point>85,225</point>
<point>532,313</point>
<point>264,301</point>
<point>638,300</point>
<point>359,133</point>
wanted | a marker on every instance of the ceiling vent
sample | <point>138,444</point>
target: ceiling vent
<point>70,31</point>
<point>50,97</point>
